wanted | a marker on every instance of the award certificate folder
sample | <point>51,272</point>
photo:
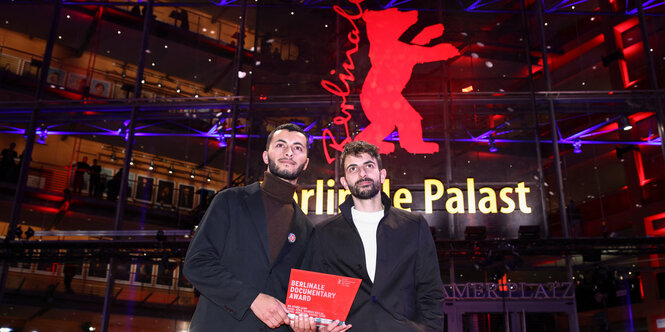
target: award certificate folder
<point>325,296</point>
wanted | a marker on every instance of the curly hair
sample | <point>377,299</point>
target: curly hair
<point>356,148</point>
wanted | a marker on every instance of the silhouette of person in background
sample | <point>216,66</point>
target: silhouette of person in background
<point>184,20</point>
<point>82,167</point>
<point>136,10</point>
<point>69,271</point>
<point>95,175</point>
<point>7,163</point>
<point>113,186</point>
<point>180,15</point>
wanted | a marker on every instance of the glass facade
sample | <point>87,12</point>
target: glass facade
<point>529,135</point>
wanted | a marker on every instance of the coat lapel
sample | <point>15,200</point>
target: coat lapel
<point>253,203</point>
<point>298,228</point>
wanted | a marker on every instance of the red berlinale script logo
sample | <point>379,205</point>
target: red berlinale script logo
<point>392,64</point>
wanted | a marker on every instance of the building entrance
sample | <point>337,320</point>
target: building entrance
<point>512,307</point>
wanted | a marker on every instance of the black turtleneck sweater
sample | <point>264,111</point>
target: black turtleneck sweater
<point>277,197</point>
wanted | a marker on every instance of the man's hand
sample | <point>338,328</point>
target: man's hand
<point>269,310</point>
<point>303,323</point>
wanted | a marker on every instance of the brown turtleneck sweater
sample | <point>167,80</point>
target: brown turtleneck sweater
<point>277,197</point>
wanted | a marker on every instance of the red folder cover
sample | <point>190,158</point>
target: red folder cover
<point>321,295</point>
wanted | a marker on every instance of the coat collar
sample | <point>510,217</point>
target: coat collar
<point>348,204</point>
<point>254,205</point>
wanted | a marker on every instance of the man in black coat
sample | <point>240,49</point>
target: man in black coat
<point>250,237</point>
<point>391,250</point>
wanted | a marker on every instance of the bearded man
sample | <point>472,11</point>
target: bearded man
<point>391,250</point>
<point>250,237</point>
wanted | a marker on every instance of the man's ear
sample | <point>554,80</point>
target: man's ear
<point>383,175</point>
<point>342,180</point>
<point>265,157</point>
<point>306,163</point>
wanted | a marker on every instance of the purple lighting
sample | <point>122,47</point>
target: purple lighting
<point>577,146</point>
<point>492,144</point>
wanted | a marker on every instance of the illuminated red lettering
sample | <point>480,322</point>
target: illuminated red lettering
<point>345,77</point>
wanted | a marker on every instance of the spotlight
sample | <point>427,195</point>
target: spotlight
<point>493,145</point>
<point>143,81</point>
<point>159,84</point>
<point>131,161</point>
<point>87,326</point>
<point>112,157</point>
<point>208,178</point>
<point>124,129</point>
<point>124,72</point>
<point>191,175</point>
<point>152,165</point>
<point>171,169</point>
<point>624,123</point>
<point>577,146</point>
<point>177,89</point>
<point>196,94</point>
<point>222,140</point>
<point>42,133</point>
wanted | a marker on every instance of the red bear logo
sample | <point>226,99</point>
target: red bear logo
<point>392,64</point>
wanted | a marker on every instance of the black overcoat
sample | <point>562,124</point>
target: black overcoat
<point>407,293</point>
<point>228,261</point>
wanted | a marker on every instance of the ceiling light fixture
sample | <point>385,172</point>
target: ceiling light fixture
<point>624,123</point>
<point>577,146</point>
<point>493,147</point>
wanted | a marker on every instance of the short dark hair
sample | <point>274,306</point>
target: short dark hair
<point>356,148</point>
<point>288,127</point>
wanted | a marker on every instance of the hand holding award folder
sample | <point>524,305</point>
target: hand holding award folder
<point>325,297</point>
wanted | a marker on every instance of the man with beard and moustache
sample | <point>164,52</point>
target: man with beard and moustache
<point>391,250</point>
<point>241,255</point>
